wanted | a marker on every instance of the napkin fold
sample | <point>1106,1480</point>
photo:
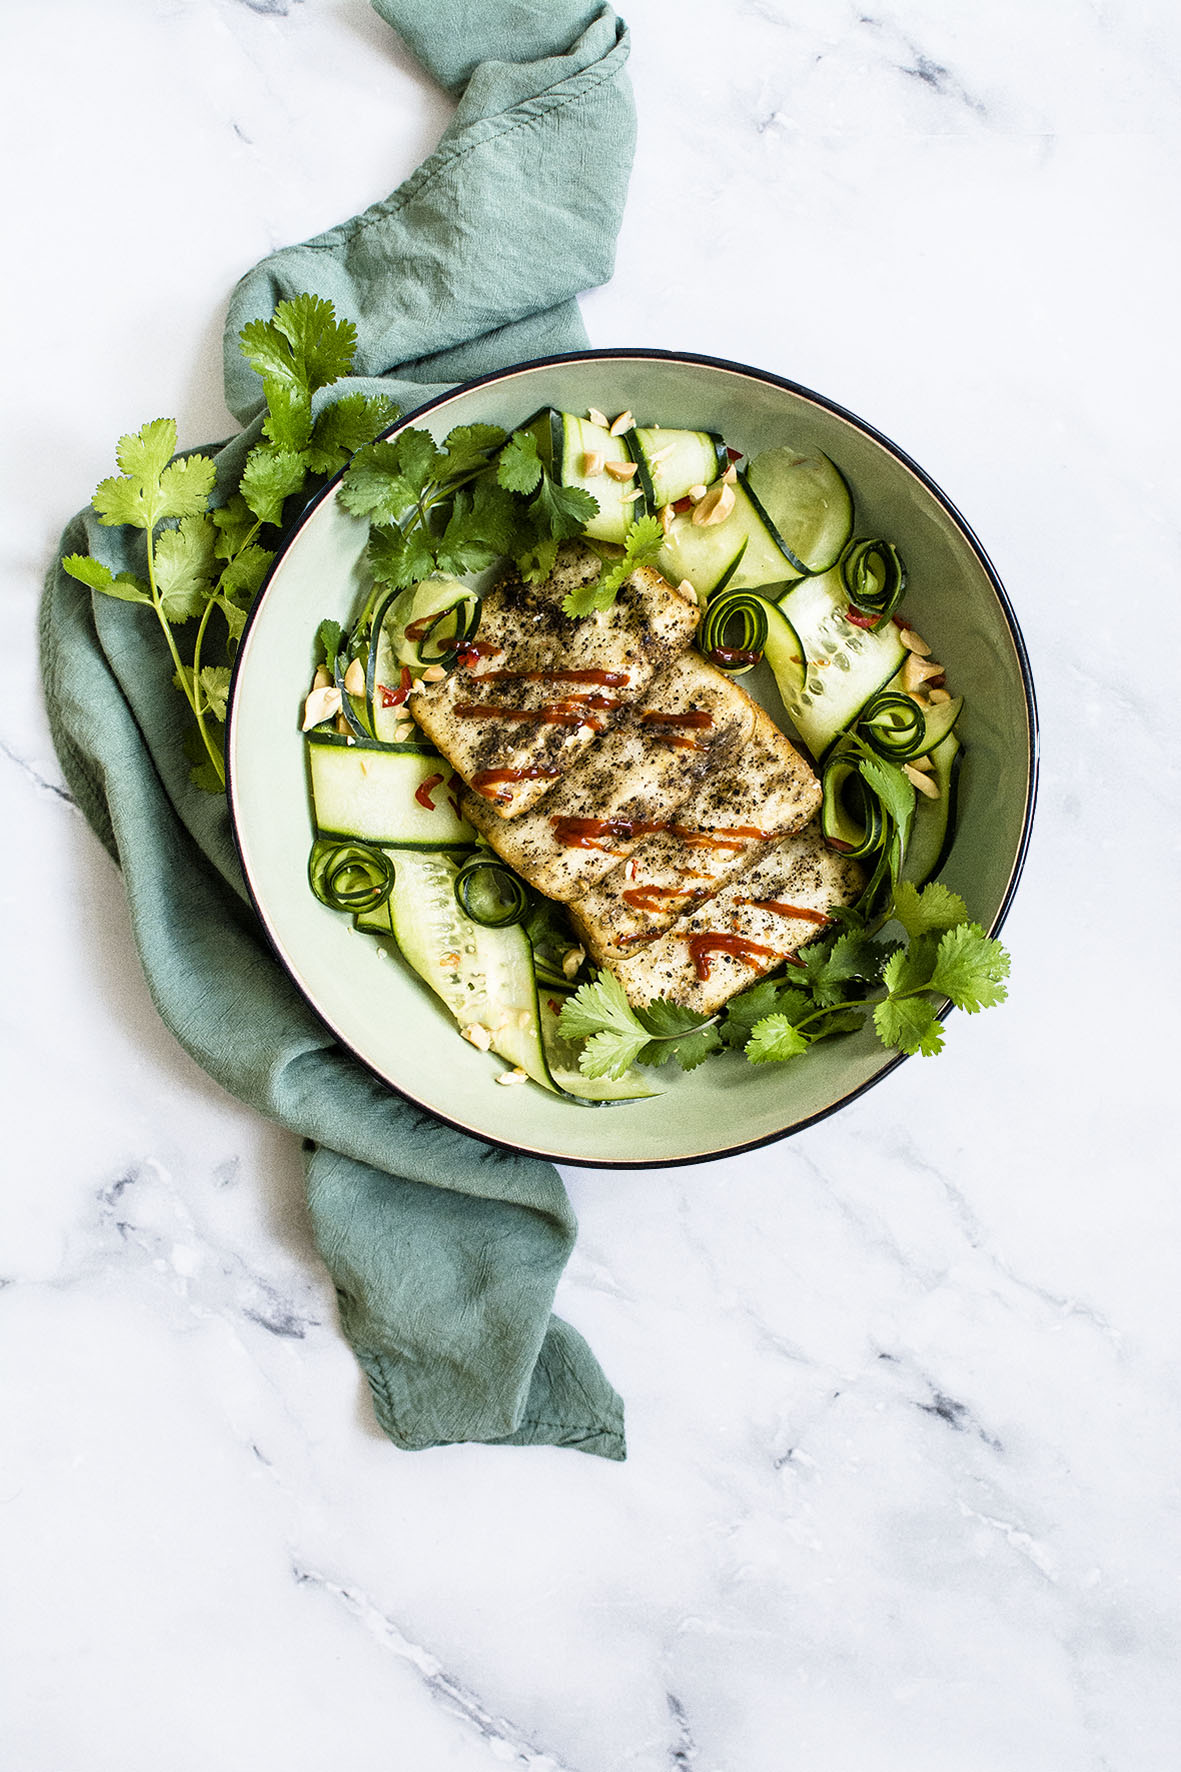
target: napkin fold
<point>445,1252</point>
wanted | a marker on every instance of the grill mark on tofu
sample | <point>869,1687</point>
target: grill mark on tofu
<point>646,628</point>
<point>802,871</point>
<point>631,778</point>
<point>766,786</point>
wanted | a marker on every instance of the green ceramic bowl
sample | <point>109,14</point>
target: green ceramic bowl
<point>381,1011</point>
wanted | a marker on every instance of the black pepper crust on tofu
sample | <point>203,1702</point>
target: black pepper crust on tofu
<point>645,630</point>
<point>801,872</point>
<point>633,774</point>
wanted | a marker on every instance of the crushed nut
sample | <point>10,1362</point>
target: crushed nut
<point>620,470</point>
<point>571,960</point>
<point>914,642</point>
<point>477,1035</point>
<point>354,678</point>
<point>623,423</point>
<point>916,670</point>
<point>938,696</point>
<point>920,763</point>
<point>715,507</point>
<point>730,477</point>
<point>508,1078</point>
<point>433,674</point>
<point>592,464</point>
<point>597,418</point>
<point>666,515</point>
<point>342,725</point>
<point>922,782</point>
<point>697,493</point>
<point>321,705</point>
<point>630,498</point>
<point>322,678</point>
<point>659,455</point>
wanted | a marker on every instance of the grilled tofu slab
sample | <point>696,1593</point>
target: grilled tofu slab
<point>691,721</point>
<point>542,687</point>
<point>761,793</point>
<point>747,930</point>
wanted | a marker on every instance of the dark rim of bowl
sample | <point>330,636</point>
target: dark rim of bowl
<point>653,354</point>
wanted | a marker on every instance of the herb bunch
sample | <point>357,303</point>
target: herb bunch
<point>203,559</point>
<point>839,979</point>
<point>482,494</point>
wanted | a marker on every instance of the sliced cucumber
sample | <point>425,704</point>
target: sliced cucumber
<point>484,976</point>
<point>850,815</point>
<point>383,794</point>
<point>739,554</point>
<point>425,624</point>
<point>847,665</point>
<point>564,443</point>
<point>933,830</point>
<point>938,719</point>
<point>740,627</point>
<point>670,462</point>
<point>807,502</point>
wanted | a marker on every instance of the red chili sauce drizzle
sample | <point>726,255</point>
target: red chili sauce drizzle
<point>422,792</point>
<point>586,833</point>
<point>648,898</point>
<point>787,910</point>
<point>732,655</point>
<point>492,778</point>
<point>693,717</point>
<point>702,946</point>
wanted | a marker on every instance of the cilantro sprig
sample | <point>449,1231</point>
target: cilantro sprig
<point>202,559</point>
<point>840,976</point>
<point>618,1036</point>
<point>642,543</point>
<point>458,506</point>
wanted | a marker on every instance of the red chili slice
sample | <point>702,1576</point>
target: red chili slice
<point>858,620</point>
<point>422,792</point>
<point>681,505</point>
<point>733,454</point>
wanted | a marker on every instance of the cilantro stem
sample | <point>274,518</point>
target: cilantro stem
<point>185,676</point>
<point>197,697</point>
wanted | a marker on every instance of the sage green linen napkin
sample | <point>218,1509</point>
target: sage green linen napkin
<point>444,1251</point>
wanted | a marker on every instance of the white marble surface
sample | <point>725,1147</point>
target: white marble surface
<point>902,1392</point>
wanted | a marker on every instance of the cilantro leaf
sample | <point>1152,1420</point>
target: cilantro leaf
<point>399,557</point>
<point>775,1038</point>
<point>346,426</point>
<point>518,466</point>
<point>749,1007</point>
<point>329,638</point>
<point>970,968</point>
<point>97,577</point>
<point>243,574</point>
<point>599,1004</point>
<point>480,528</point>
<point>909,968</point>
<point>935,907</point>
<point>288,424</point>
<point>144,455</point>
<point>561,511</point>
<point>235,523</point>
<point>184,568</point>
<point>892,788</point>
<point>610,1053</point>
<point>204,774</point>
<point>642,542</point>
<point>677,1033</point>
<point>215,687</point>
<point>302,347</point>
<point>269,477</point>
<point>468,447</point>
<point>375,485</point>
<point>909,1023</point>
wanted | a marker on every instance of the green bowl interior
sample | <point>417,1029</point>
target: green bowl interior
<point>383,1012</point>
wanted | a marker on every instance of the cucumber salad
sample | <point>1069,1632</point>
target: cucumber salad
<point>537,776</point>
